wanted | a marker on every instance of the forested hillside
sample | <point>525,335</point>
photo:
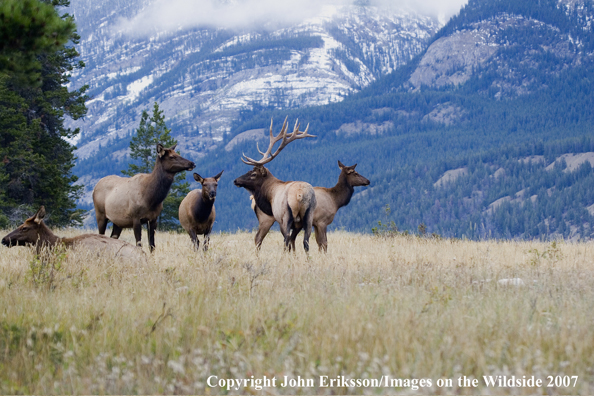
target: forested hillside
<point>531,95</point>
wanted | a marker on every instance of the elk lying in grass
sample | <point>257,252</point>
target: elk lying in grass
<point>197,212</point>
<point>129,202</point>
<point>329,200</point>
<point>290,203</point>
<point>34,232</point>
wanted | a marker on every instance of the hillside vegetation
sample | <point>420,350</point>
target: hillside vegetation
<point>532,96</point>
<point>403,307</point>
<point>525,91</point>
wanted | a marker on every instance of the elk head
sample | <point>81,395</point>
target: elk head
<point>353,178</point>
<point>171,161</point>
<point>32,231</point>
<point>254,179</point>
<point>209,186</point>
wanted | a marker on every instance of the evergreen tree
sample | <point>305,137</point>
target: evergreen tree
<point>153,130</point>
<point>28,29</point>
<point>36,58</point>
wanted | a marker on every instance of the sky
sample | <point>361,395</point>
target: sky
<point>171,15</point>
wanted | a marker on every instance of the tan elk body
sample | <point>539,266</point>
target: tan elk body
<point>34,232</point>
<point>329,200</point>
<point>197,211</point>
<point>129,202</point>
<point>291,203</point>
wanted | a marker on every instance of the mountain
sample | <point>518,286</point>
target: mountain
<point>204,78</point>
<point>486,132</point>
<point>447,140</point>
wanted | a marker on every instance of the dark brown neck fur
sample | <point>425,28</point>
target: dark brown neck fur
<point>263,195</point>
<point>203,208</point>
<point>46,236</point>
<point>160,182</point>
<point>342,191</point>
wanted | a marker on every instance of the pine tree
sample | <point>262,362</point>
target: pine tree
<point>28,29</point>
<point>153,130</point>
<point>36,59</point>
<point>142,147</point>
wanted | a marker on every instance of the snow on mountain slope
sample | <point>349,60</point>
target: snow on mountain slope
<point>204,77</point>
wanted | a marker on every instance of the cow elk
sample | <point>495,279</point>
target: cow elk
<point>329,200</point>
<point>129,202</point>
<point>197,212</point>
<point>34,232</point>
<point>290,203</point>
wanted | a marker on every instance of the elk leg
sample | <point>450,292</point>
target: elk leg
<point>206,241</point>
<point>151,227</point>
<point>101,223</point>
<point>116,231</point>
<point>263,228</point>
<point>321,238</point>
<point>137,227</point>
<point>294,234</point>
<point>307,221</point>
<point>286,232</point>
<point>306,239</point>
<point>194,239</point>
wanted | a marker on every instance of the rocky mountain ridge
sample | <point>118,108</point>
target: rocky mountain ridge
<point>204,78</point>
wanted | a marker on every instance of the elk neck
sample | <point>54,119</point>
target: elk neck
<point>202,208</point>
<point>342,191</point>
<point>263,194</point>
<point>159,183</point>
<point>47,237</point>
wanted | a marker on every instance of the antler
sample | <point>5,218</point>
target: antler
<point>283,137</point>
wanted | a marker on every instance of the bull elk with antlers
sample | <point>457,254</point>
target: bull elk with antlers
<point>129,202</point>
<point>329,200</point>
<point>290,203</point>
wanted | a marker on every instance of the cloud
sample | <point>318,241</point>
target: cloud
<point>171,15</point>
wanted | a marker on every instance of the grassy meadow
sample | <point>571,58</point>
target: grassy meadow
<point>372,308</point>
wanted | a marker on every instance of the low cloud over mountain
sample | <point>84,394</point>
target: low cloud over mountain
<point>172,15</point>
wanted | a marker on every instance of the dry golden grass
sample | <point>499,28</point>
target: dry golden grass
<point>403,307</point>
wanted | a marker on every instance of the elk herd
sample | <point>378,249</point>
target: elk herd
<point>129,202</point>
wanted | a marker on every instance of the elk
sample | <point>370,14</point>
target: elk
<point>329,200</point>
<point>290,203</point>
<point>34,232</point>
<point>197,212</point>
<point>129,202</point>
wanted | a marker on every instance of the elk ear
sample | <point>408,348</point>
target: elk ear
<point>353,167</point>
<point>38,218</point>
<point>160,150</point>
<point>217,177</point>
<point>340,165</point>
<point>173,147</point>
<point>198,178</point>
